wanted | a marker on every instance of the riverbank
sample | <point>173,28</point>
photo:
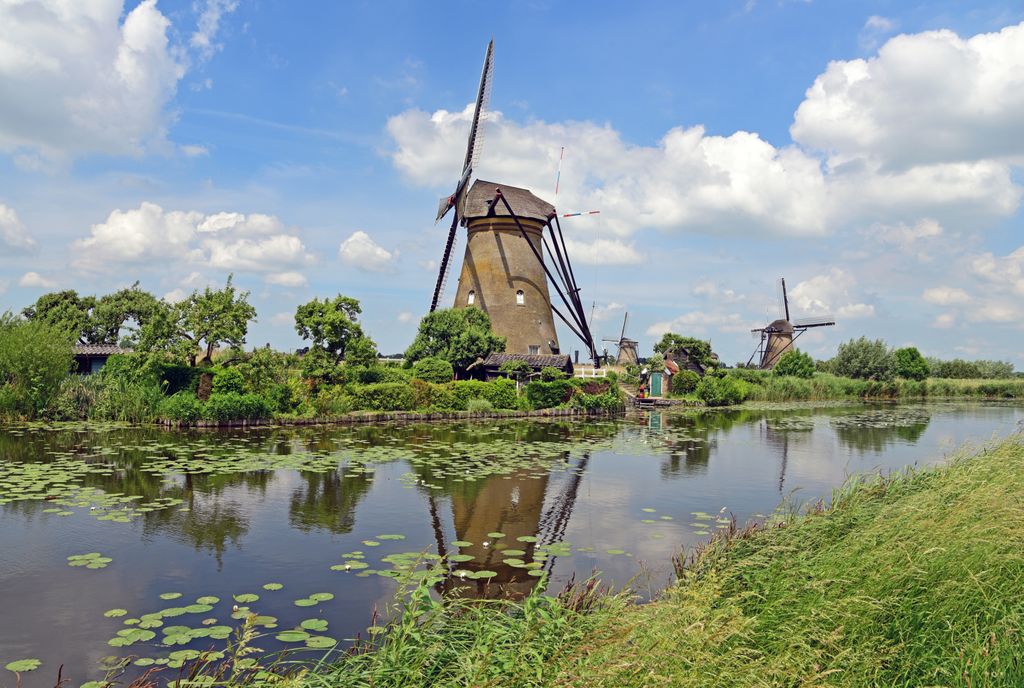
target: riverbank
<point>913,579</point>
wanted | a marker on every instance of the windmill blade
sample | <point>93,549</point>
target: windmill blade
<point>625,319</point>
<point>783,299</point>
<point>442,273</point>
<point>483,96</point>
<point>815,321</point>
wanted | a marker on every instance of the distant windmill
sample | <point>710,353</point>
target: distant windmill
<point>504,272</point>
<point>777,337</point>
<point>627,348</point>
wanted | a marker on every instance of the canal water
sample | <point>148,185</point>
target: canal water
<point>168,531</point>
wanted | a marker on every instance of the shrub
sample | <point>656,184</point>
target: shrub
<point>684,382</point>
<point>385,396</point>
<point>128,401</point>
<point>228,380</point>
<point>321,366</point>
<point>479,405</point>
<point>263,368</point>
<point>501,393</point>
<point>795,363</point>
<point>182,407</point>
<point>178,378</point>
<point>909,363</point>
<point>543,395</point>
<point>631,375</point>
<point>433,369</point>
<point>332,401</point>
<point>34,360</point>
<point>517,370</point>
<point>715,391</point>
<point>863,359</point>
<point>994,369</point>
<point>76,399</point>
<point>550,374</point>
<point>234,406</point>
<point>377,374</point>
<point>428,396</point>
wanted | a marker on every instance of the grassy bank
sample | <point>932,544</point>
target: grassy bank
<point>910,580</point>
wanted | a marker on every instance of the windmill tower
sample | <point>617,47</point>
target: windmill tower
<point>777,337</point>
<point>628,351</point>
<point>504,272</point>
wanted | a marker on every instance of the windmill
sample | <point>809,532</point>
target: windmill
<point>777,337</point>
<point>504,272</point>
<point>628,348</point>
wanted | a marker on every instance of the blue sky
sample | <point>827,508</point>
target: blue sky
<point>870,152</point>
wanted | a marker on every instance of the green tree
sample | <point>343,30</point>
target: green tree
<point>517,370</point>
<point>433,369</point>
<point>35,357</point>
<point>864,359</point>
<point>362,351</point>
<point>332,325</point>
<point>65,311</point>
<point>458,335</point>
<point>795,363</point>
<point>113,312</point>
<point>698,349</point>
<point>684,382</point>
<point>909,363</point>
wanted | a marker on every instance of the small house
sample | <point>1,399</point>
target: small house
<point>89,358</point>
<point>490,367</point>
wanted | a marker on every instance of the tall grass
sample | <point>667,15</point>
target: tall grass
<point>764,386</point>
<point>909,581</point>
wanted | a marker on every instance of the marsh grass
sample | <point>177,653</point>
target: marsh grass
<point>760,386</point>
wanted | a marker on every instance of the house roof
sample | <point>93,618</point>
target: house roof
<point>523,202</point>
<point>99,350</point>
<point>560,361</point>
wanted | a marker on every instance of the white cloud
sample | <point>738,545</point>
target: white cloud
<point>283,318</point>
<point>831,293</point>
<point>607,311</point>
<point>907,237</point>
<point>944,321</point>
<point>874,29</point>
<point>12,232</point>
<point>1005,272</point>
<point>405,317</point>
<point>209,22</point>
<point>946,296</point>
<point>930,98</point>
<point>194,150</point>
<point>603,252</point>
<point>34,279</point>
<point>698,322</point>
<point>688,181</point>
<point>287,279</point>
<point>363,253</point>
<point>226,241</point>
<point>713,291</point>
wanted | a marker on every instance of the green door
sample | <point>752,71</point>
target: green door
<point>655,384</point>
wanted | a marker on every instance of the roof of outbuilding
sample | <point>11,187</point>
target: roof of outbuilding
<point>99,350</point>
<point>523,202</point>
<point>560,361</point>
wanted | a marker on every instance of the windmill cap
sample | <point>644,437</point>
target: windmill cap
<point>523,202</point>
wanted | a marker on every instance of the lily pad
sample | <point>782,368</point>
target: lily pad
<point>305,602</point>
<point>314,625</point>
<point>170,595</point>
<point>293,636</point>
<point>207,599</point>
<point>391,536</point>
<point>495,535</point>
<point>320,642</point>
<point>526,538</point>
<point>272,586</point>
<point>21,665</point>
<point>247,597</point>
<point>321,596</point>
<point>114,613</point>
<point>461,543</point>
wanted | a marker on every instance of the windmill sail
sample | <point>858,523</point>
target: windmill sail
<point>814,321</point>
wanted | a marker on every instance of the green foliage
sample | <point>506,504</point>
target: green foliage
<point>458,335</point>
<point>864,359</point>
<point>263,369</point>
<point>716,391</point>
<point>320,366</point>
<point>908,363</point>
<point>331,324</point>
<point>377,374</point>
<point>428,396</point>
<point>795,363</point>
<point>993,370</point>
<point>384,396</point>
<point>228,380</point>
<point>517,370</point>
<point>542,395</point>
<point>500,393</point>
<point>35,357</point>
<point>631,375</point>
<point>176,378</point>
<point>685,382</point>
<point>433,369</point>
<point>95,321</point>
<point>75,399</point>
<point>332,401</point>
<point>698,349</point>
<point>970,370</point>
<point>361,351</point>
<point>182,407</point>
<point>127,400</point>
<point>550,374</point>
<point>479,406</point>
<point>64,311</point>
<point>230,406</point>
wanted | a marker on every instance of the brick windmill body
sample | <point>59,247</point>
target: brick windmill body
<point>509,231</point>
<point>777,337</point>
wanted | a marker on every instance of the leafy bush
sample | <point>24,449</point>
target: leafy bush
<point>864,359</point>
<point>228,381</point>
<point>263,368</point>
<point>517,370</point>
<point>128,401</point>
<point>234,406</point>
<point>753,376</point>
<point>631,375</point>
<point>684,382</point>
<point>795,363</point>
<point>909,363</point>
<point>182,407</point>
<point>385,396</point>
<point>34,360</point>
<point>501,393</point>
<point>994,369</point>
<point>479,405</point>
<point>177,378</point>
<point>430,397</point>
<point>433,369</point>
<point>76,399</point>
<point>332,401</point>
<point>377,374</point>
<point>550,374</point>
<point>320,366</point>
<point>715,391</point>
<point>543,395</point>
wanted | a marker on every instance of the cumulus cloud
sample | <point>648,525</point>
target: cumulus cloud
<point>363,253</point>
<point>209,22</point>
<point>194,150</point>
<point>699,322</point>
<point>12,232</point>
<point>34,279</point>
<point>946,296</point>
<point>603,252</point>
<point>287,279</point>
<point>1003,272</point>
<point>85,77</point>
<point>831,293</point>
<point>226,241</point>
<point>405,317</point>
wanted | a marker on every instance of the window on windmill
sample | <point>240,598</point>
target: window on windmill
<point>471,299</point>
<point>534,348</point>
<point>520,298</point>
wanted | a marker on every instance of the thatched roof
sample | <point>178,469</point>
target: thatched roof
<point>523,202</point>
